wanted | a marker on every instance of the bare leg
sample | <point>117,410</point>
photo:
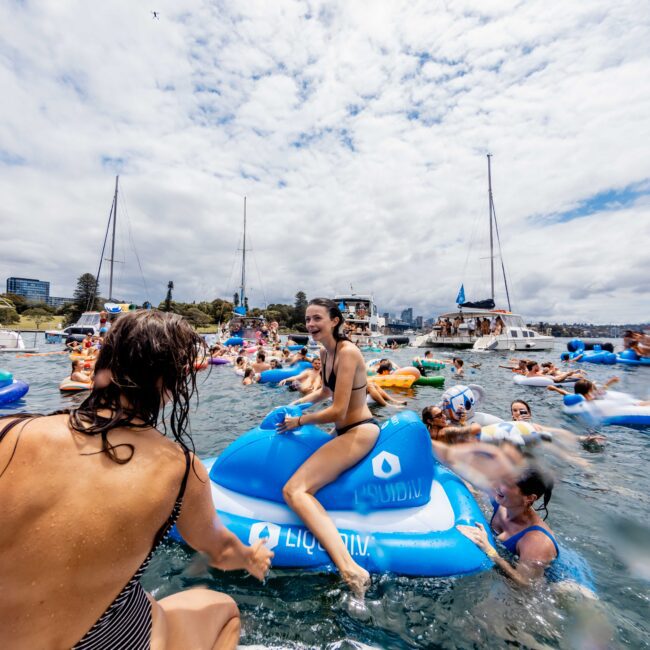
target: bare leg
<point>200,619</point>
<point>321,468</point>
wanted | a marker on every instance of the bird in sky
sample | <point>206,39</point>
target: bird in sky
<point>155,15</point>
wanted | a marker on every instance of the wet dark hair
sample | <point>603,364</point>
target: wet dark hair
<point>142,349</point>
<point>521,401</point>
<point>531,364</point>
<point>334,312</point>
<point>427,416</point>
<point>582,387</point>
<point>385,365</point>
<point>533,481</point>
<point>248,372</point>
<point>261,356</point>
<point>459,361</point>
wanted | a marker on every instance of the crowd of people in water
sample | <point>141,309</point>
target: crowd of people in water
<point>85,582</point>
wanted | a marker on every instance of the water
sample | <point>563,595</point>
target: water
<point>602,513</point>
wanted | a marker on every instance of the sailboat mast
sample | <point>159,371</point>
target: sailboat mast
<point>110,284</point>
<point>491,226</point>
<point>243,265</point>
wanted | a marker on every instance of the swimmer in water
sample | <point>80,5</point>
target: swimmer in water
<point>344,380</point>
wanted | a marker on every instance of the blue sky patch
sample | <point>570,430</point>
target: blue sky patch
<point>11,159</point>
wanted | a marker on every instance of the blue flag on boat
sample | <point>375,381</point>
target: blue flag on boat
<point>460,298</point>
<point>240,310</point>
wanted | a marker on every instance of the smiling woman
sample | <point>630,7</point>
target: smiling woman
<point>344,380</point>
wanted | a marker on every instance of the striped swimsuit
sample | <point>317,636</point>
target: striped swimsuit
<point>126,624</point>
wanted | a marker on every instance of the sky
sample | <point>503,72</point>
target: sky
<point>357,130</point>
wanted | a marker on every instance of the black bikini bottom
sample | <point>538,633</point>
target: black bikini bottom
<point>345,429</point>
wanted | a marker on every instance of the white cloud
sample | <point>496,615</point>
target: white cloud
<point>358,131</point>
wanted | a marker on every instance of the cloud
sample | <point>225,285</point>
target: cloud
<point>358,133</point>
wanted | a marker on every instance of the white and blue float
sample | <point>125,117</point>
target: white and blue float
<point>614,409</point>
<point>459,403</point>
<point>11,390</point>
<point>397,510</point>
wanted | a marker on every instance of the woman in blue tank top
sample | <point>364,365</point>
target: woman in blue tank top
<point>518,526</point>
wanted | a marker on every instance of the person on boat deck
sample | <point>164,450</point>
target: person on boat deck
<point>249,377</point>
<point>485,326</point>
<point>498,325</point>
<point>78,373</point>
<point>260,364</point>
<point>458,365</point>
<point>115,486</point>
<point>344,380</point>
<point>519,528</point>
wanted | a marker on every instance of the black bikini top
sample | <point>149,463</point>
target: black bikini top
<point>330,381</point>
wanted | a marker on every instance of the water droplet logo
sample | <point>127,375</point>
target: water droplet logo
<point>386,465</point>
<point>265,530</point>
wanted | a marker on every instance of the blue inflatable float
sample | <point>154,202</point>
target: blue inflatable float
<point>276,375</point>
<point>11,390</point>
<point>234,340</point>
<point>631,358</point>
<point>397,510</point>
<point>615,409</point>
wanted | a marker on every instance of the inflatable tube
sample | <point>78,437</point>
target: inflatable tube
<point>437,381</point>
<point>234,340</point>
<point>13,390</point>
<point>518,433</point>
<point>433,364</point>
<point>278,374</point>
<point>218,361</point>
<point>300,339</point>
<point>631,358</point>
<point>369,348</point>
<point>393,381</point>
<point>69,386</point>
<point>396,511</point>
<point>6,378</point>
<point>615,409</point>
<point>295,348</point>
<point>400,340</point>
<point>520,380</point>
<point>578,345</point>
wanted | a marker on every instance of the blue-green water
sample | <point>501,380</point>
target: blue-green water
<point>601,512</point>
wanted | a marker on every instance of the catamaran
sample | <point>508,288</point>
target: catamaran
<point>505,330</point>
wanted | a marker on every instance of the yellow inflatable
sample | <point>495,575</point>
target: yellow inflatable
<point>395,380</point>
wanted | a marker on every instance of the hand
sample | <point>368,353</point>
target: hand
<point>477,535</point>
<point>288,424</point>
<point>259,561</point>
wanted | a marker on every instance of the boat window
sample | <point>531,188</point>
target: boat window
<point>513,334</point>
<point>531,333</point>
<point>524,333</point>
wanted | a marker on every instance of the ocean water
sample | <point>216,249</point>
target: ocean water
<point>601,512</point>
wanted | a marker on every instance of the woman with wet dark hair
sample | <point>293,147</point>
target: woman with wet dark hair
<point>89,493</point>
<point>519,527</point>
<point>344,380</point>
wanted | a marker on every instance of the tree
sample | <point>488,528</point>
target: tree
<point>299,309</point>
<point>86,296</point>
<point>168,298</point>
<point>19,302</point>
<point>197,317</point>
<point>221,310</point>
<point>38,315</point>
<point>8,316</point>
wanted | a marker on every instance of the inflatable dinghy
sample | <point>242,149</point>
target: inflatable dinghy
<point>397,510</point>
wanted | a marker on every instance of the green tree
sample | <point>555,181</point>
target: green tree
<point>86,297</point>
<point>299,309</point>
<point>197,317</point>
<point>38,315</point>
<point>168,299</point>
<point>8,315</point>
<point>19,302</point>
<point>221,310</point>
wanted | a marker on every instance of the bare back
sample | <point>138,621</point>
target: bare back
<point>76,525</point>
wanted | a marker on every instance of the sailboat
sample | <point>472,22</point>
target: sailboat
<point>458,328</point>
<point>92,322</point>
<point>242,324</point>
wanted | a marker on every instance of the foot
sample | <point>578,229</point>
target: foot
<point>358,581</point>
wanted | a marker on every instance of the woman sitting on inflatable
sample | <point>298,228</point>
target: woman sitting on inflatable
<point>344,380</point>
<point>78,373</point>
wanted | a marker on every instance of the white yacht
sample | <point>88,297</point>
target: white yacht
<point>462,328</point>
<point>360,312</point>
<point>513,333</point>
